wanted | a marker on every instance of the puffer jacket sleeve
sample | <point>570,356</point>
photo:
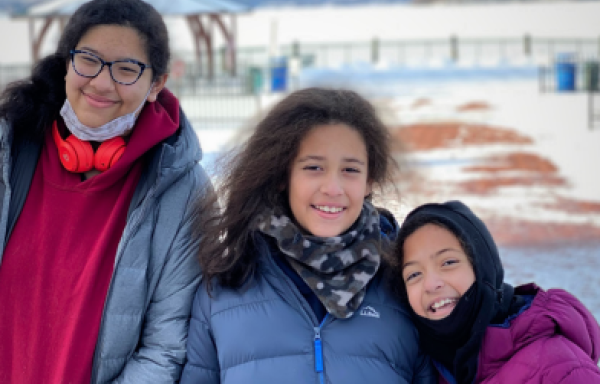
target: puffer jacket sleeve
<point>587,374</point>
<point>424,370</point>
<point>202,366</point>
<point>162,349</point>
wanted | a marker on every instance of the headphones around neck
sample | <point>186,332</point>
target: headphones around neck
<point>78,156</point>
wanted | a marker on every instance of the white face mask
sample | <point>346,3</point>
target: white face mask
<point>117,127</point>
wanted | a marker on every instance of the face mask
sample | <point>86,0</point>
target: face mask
<point>117,127</point>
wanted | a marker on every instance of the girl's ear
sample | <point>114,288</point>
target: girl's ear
<point>369,189</point>
<point>157,86</point>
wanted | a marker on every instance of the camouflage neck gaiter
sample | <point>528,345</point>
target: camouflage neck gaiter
<point>337,269</point>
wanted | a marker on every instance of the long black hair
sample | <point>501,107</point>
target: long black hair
<point>32,104</point>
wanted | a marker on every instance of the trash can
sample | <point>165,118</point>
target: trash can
<point>565,69</point>
<point>590,76</point>
<point>279,74</point>
<point>255,80</point>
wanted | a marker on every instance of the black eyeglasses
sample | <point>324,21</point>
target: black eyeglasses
<point>124,72</point>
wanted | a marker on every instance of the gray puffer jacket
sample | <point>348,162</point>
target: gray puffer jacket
<point>144,326</point>
<point>266,333</point>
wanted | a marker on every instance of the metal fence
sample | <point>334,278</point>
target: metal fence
<point>218,102</point>
<point>574,73</point>
<point>425,51</point>
<point>230,100</point>
<point>10,73</point>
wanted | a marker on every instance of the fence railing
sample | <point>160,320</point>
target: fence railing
<point>10,73</point>
<point>574,74</point>
<point>225,99</point>
<point>404,52</point>
<point>424,51</point>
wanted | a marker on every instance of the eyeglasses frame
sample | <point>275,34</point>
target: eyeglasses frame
<point>109,64</point>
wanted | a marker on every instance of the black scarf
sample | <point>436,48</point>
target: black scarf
<point>455,340</point>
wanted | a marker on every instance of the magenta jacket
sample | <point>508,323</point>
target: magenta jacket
<point>554,339</point>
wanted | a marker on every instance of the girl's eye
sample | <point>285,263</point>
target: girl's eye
<point>352,170</point>
<point>411,276</point>
<point>450,262</point>
<point>312,168</point>
<point>90,60</point>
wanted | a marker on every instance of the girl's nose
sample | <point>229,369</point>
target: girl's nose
<point>433,282</point>
<point>103,81</point>
<point>332,185</point>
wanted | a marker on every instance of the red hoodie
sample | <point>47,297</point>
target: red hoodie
<point>58,262</point>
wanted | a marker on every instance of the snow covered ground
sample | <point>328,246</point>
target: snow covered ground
<point>557,125</point>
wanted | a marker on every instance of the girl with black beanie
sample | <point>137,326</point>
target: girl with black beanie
<point>476,327</point>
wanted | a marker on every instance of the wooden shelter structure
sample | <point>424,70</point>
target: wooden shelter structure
<point>201,17</point>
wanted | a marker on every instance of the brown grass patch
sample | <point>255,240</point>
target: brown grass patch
<point>474,106</point>
<point>520,232</point>
<point>428,136</point>
<point>516,161</point>
<point>487,186</point>
<point>574,206</point>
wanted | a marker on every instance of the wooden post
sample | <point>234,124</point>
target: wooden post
<point>31,21</point>
<point>36,41</point>
<point>209,48</point>
<point>229,37</point>
<point>375,51</point>
<point>296,49</point>
<point>233,45</point>
<point>454,48</point>
<point>527,45</point>
<point>198,34</point>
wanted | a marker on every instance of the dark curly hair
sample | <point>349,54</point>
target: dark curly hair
<point>31,105</point>
<point>257,175</point>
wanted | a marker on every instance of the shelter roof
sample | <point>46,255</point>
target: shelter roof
<point>164,7</point>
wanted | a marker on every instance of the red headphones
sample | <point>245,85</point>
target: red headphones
<point>78,155</point>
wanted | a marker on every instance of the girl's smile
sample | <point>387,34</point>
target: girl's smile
<point>436,271</point>
<point>329,211</point>
<point>443,306</point>
<point>98,101</point>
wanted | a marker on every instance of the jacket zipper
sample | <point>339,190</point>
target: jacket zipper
<point>120,252</point>
<point>318,346</point>
<point>319,351</point>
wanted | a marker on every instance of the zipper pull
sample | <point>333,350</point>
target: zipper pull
<point>318,351</point>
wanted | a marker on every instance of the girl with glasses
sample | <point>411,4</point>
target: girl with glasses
<point>99,169</point>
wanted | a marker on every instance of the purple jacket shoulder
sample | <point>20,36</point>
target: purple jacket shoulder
<point>556,340</point>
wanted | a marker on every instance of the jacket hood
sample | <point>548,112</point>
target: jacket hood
<point>473,233</point>
<point>556,313</point>
<point>389,225</point>
<point>180,152</point>
<point>553,338</point>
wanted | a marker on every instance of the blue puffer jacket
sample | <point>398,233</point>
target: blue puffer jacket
<point>267,333</point>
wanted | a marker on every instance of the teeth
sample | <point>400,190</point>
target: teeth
<point>441,303</point>
<point>325,208</point>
